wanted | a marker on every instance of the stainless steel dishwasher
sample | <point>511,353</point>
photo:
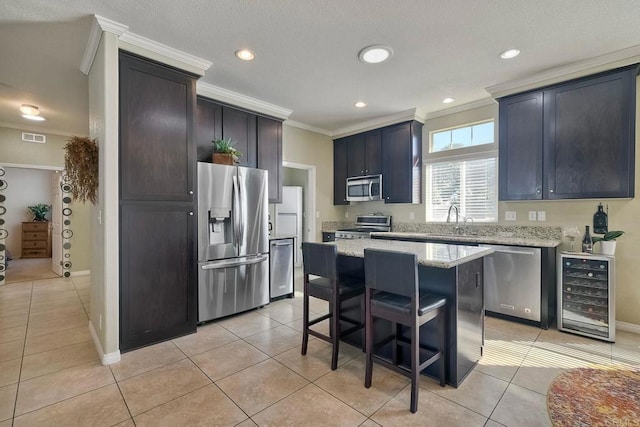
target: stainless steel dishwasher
<point>281,271</point>
<point>512,281</point>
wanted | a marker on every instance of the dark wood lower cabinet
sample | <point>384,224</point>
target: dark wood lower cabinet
<point>157,273</point>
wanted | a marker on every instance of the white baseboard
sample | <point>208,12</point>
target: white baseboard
<point>106,359</point>
<point>81,273</point>
<point>628,327</point>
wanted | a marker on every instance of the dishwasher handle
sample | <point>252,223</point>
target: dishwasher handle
<point>283,243</point>
<point>503,250</point>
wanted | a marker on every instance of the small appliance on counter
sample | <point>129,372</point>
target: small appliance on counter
<point>365,225</point>
<point>233,242</point>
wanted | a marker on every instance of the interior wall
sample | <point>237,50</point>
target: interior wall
<point>310,148</point>
<point>103,125</point>
<point>27,187</point>
<point>15,152</point>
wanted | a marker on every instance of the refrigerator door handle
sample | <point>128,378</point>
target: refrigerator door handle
<point>215,265</point>
<point>236,211</point>
<point>241,209</point>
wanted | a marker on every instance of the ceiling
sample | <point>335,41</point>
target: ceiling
<point>306,50</point>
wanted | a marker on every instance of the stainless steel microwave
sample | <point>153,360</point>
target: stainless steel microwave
<point>364,188</point>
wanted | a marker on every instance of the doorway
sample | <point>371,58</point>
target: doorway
<point>32,249</point>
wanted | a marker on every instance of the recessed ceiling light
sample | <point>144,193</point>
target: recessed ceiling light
<point>508,54</point>
<point>448,100</point>
<point>375,54</point>
<point>31,112</point>
<point>361,104</point>
<point>245,54</point>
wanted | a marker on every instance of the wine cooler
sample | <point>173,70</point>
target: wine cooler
<point>586,295</point>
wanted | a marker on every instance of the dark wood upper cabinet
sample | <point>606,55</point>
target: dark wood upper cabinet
<point>157,159</point>
<point>340,160</point>
<point>590,137</point>
<point>520,145</point>
<point>356,155</point>
<point>208,127</point>
<point>365,153</point>
<point>270,154</point>
<point>157,270</point>
<point>402,163</point>
<point>240,126</point>
<point>574,140</point>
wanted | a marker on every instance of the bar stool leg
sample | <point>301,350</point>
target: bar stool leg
<point>368,339</point>
<point>442,328</point>
<point>415,363</point>
<point>335,327</point>
<point>305,316</point>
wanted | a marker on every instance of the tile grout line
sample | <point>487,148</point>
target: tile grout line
<point>24,345</point>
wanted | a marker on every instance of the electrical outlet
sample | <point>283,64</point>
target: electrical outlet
<point>510,215</point>
<point>412,215</point>
<point>346,214</point>
<point>317,214</point>
<point>532,216</point>
<point>542,215</point>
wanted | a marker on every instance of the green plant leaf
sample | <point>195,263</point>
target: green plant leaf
<point>608,236</point>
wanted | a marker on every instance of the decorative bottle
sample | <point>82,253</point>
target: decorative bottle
<point>587,242</point>
<point>600,221</point>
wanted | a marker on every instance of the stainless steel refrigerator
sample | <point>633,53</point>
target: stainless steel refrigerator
<point>233,241</point>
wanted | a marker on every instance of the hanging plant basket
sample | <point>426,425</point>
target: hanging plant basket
<point>81,164</point>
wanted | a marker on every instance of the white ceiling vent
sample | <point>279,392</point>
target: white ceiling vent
<point>34,137</point>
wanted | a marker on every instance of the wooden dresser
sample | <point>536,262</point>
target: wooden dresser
<point>36,240</point>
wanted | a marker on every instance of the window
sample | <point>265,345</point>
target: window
<point>461,170</point>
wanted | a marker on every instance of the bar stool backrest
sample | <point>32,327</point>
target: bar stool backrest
<point>319,259</point>
<point>390,271</point>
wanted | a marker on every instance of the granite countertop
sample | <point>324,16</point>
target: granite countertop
<point>532,241</point>
<point>282,236</point>
<point>428,254</point>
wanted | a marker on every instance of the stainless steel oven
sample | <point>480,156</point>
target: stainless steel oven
<point>364,188</point>
<point>365,225</point>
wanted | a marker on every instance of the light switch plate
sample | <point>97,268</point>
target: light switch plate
<point>542,215</point>
<point>317,214</point>
<point>412,215</point>
<point>510,215</point>
<point>346,214</point>
<point>532,215</point>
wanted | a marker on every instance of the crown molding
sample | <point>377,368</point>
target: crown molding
<point>240,100</point>
<point>99,25</point>
<point>403,116</point>
<point>611,60</point>
<point>193,63</point>
<point>305,126</point>
<point>135,42</point>
<point>461,108</point>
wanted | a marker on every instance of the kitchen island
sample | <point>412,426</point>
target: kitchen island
<point>453,271</point>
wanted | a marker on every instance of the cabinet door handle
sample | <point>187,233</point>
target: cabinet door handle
<point>191,192</point>
<point>190,213</point>
<point>538,191</point>
<point>550,191</point>
<point>477,280</point>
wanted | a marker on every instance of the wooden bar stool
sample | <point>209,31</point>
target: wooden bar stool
<point>320,259</point>
<point>392,293</point>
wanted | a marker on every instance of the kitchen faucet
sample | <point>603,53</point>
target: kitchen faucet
<point>464,227</point>
<point>456,229</point>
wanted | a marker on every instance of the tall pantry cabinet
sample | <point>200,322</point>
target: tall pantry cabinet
<point>157,202</point>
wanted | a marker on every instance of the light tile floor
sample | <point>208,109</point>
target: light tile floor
<point>247,370</point>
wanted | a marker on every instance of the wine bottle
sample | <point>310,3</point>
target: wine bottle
<point>587,242</point>
<point>600,221</point>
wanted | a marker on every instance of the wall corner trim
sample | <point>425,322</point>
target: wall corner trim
<point>100,24</point>
<point>105,359</point>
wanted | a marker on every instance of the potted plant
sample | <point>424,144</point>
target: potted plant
<point>39,211</point>
<point>608,242</point>
<point>224,151</point>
